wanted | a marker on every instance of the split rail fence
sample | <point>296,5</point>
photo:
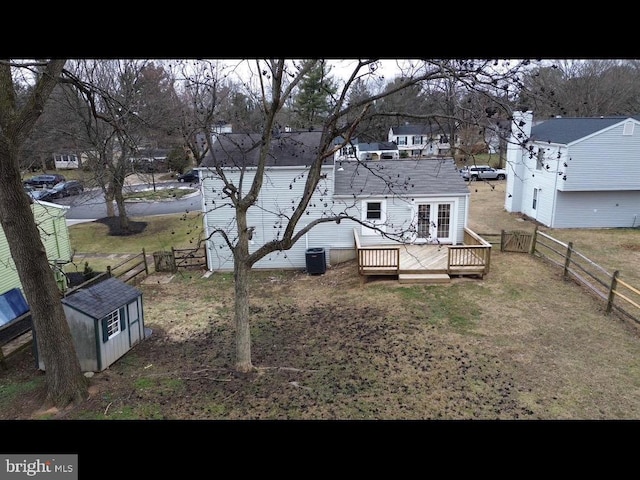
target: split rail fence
<point>608,286</point>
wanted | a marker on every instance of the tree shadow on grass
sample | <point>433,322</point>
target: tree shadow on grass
<point>115,230</point>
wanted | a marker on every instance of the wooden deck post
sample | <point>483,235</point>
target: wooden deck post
<point>534,238</point>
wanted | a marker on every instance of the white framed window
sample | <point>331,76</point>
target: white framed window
<point>374,212</point>
<point>628,128</point>
<point>402,140</point>
<point>113,324</point>
<point>535,198</point>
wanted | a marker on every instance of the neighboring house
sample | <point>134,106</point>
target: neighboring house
<point>66,161</point>
<point>575,172</point>
<point>54,233</point>
<point>420,140</point>
<point>427,203</point>
<point>367,151</point>
<point>106,320</point>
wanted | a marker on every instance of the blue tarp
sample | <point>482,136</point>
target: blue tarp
<point>12,305</point>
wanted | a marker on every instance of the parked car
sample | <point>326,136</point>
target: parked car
<point>190,176</point>
<point>38,193</point>
<point>66,189</point>
<point>483,172</point>
<point>47,180</point>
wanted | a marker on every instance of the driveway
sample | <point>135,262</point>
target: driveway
<point>90,205</point>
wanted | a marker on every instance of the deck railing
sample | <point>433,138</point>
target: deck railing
<point>376,260</point>
<point>472,258</point>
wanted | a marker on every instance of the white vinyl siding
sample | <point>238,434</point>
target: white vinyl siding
<point>281,192</point>
<point>597,210</point>
<point>605,161</point>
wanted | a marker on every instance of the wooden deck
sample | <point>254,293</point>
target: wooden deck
<point>425,263</point>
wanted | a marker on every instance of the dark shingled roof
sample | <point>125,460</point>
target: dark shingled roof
<point>400,177</point>
<point>378,146</point>
<point>243,149</point>
<point>563,130</point>
<point>100,299</point>
<point>417,129</point>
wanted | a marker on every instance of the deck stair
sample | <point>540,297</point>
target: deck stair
<point>424,278</point>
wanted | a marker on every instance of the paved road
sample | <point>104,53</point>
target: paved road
<point>91,205</point>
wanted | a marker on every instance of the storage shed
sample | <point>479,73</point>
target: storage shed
<point>106,321</point>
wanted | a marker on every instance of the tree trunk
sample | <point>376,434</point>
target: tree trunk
<point>109,199</point>
<point>243,331</point>
<point>64,379</point>
<point>241,271</point>
<point>122,212</point>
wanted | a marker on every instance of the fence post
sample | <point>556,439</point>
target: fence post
<point>567,259</point>
<point>534,238</point>
<point>612,289</point>
<point>144,257</point>
<point>109,271</point>
<point>502,233</point>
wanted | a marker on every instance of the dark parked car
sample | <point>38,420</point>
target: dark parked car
<point>48,180</point>
<point>190,176</point>
<point>65,189</point>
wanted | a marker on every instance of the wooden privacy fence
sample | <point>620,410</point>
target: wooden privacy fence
<point>609,287</point>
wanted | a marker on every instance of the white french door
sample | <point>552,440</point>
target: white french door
<point>434,222</point>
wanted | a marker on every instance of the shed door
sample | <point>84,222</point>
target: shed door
<point>434,223</point>
<point>134,323</point>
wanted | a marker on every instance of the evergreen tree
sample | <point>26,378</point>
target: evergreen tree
<point>315,97</point>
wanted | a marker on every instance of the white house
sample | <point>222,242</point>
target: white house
<point>408,200</point>
<point>356,150</point>
<point>575,172</point>
<point>420,140</point>
<point>66,161</point>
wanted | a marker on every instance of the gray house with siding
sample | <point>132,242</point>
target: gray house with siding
<point>106,321</point>
<point>575,172</point>
<point>411,200</point>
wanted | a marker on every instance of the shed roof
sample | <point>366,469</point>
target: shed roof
<point>565,130</point>
<point>400,178</point>
<point>100,299</point>
<point>243,149</point>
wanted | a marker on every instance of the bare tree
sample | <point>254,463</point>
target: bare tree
<point>583,88</point>
<point>64,380</point>
<point>277,80</point>
<point>115,125</point>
